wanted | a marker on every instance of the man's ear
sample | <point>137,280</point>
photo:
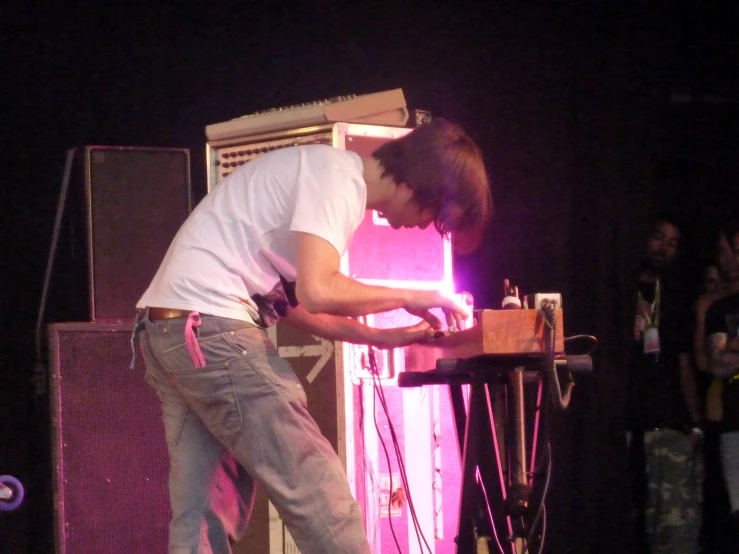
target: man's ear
<point>404,192</point>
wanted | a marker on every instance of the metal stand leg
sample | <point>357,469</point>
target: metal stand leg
<point>493,446</point>
<point>482,485</point>
<point>517,501</point>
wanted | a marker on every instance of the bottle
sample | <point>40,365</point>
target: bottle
<point>511,300</point>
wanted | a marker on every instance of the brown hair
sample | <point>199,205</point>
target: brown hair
<point>444,168</point>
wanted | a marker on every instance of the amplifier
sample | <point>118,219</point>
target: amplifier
<point>224,157</point>
<point>119,213</point>
<point>109,454</point>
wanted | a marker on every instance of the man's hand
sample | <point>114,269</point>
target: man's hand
<point>696,439</point>
<point>723,359</point>
<point>397,337</point>
<point>422,301</point>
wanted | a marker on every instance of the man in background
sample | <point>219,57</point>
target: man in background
<point>662,408</point>
<point>722,350</point>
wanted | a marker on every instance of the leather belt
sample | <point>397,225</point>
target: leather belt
<point>167,313</point>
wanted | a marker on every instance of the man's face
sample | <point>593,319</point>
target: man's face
<point>403,211</point>
<point>662,246</point>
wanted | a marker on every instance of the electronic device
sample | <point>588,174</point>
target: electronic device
<point>379,108</point>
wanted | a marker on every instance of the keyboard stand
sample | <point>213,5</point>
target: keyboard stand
<point>491,435</point>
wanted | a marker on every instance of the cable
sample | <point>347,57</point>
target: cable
<point>541,511</point>
<point>547,414</point>
<point>380,394</point>
<point>580,337</point>
<point>39,374</point>
<point>484,491</point>
<point>540,406</point>
<point>368,467</point>
<point>401,465</point>
<point>387,457</point>
<point>560,400</point>
<point>590,338</point>
<point>546,452</point>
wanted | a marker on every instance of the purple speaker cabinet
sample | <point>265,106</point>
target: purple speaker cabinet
<point>109,455</point>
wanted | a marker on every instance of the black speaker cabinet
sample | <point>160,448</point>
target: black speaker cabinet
<point>110,464</point>
<point>123,207</point>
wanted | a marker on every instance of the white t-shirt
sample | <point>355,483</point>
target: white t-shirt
<point>240,242</point>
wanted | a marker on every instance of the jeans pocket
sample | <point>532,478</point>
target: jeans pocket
<point>211,393</point>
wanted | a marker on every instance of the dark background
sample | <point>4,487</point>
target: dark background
<point>591,115</point>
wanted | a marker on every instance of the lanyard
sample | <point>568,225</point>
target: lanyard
<point>652,318</point>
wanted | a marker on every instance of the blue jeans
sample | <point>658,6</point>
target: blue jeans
<point>243,418</point>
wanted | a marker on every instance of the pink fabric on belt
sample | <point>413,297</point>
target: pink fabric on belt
<point>193,320</point>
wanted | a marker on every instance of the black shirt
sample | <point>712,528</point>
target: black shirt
<point>654,396</point>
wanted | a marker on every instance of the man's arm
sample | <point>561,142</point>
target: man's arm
<point>699,334</point>
<point>349,330</point>
<point>723,354</point>
<point>322,288</point>
<point>689,387</point>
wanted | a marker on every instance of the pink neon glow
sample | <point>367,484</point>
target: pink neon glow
<point>408,258</point>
